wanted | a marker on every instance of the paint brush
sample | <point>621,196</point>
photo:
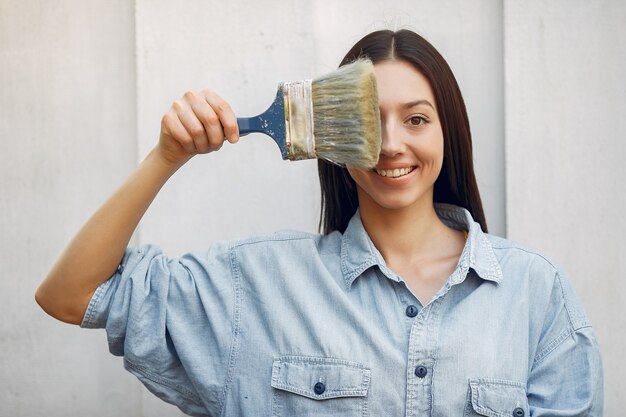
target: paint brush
<point>334,117</point>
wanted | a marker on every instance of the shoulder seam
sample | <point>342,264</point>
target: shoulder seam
<point>539,357</point>
<point>528,251</point>
<point>565,334</point>
<point>270,238</point>
<point>576,324</point>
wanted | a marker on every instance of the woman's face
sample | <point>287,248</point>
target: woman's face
<point>412,141</point>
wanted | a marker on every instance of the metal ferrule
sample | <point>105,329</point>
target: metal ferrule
<point>299,139</point>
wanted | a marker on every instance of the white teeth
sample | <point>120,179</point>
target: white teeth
<point>394,173</point>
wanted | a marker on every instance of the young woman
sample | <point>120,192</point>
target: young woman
<point>404,306</point>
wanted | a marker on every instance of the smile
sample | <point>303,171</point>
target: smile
<point>394,173</point>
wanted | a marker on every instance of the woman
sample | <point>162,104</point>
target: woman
<point>405,306</point>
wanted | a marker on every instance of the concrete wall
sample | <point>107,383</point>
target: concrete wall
<point>83,86</point>
<point>565,63</point>
<point>67,138</point>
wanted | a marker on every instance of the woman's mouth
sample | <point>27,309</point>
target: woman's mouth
<point>394,173</point>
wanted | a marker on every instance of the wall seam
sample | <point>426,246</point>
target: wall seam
<point>139,408</point>
<point>136,99</point>
<point>505,129</point>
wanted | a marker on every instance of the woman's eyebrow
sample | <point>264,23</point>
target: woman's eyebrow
<point>417,103</point>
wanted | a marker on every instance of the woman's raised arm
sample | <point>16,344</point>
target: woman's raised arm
<point>197,123</point>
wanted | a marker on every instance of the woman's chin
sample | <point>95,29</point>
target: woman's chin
<point>393,200</point>
<point>398,203</point>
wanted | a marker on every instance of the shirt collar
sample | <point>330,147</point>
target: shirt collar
<point>358,253</point>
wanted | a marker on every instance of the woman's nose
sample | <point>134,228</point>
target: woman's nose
<point>392,143</point>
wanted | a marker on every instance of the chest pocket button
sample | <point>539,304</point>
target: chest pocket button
<point>319,386</point>
<point>497,398</point>
<point>421,371</point>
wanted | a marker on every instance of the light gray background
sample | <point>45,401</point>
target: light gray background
<point>83,85</point>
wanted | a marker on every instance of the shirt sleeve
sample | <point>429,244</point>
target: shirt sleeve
<point>566,378</point>
<point>172,321</point>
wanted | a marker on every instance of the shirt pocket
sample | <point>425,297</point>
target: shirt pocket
<point>318,386</point>
<point>496,398</point>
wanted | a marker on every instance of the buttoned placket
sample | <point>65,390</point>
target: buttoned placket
<point>424,322</point>
<point>422,352</point>
<point>421,358</point>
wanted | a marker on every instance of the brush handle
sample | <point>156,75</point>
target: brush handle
<point>256,124</point>
<point>271,122</point>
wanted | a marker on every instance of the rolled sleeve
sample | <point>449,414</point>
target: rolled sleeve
<point>172,321</point>
<point>566,378</point>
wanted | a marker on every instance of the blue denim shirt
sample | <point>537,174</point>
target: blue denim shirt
<point>297,324</point>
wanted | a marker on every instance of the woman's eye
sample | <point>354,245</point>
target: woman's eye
<point>417,121</point>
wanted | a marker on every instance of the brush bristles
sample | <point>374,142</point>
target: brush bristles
<point>346,119</point>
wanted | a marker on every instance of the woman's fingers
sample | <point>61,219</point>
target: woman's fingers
<point>197,123</point>
<point>172,127</point>
<point>195,116</point>
<point>209,121</point>
<point>226,117</point>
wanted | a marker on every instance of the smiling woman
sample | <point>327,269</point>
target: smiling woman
<point>403,306</point>
<point>456,183</point>
<point>412,141</point>
<point>396,197</point>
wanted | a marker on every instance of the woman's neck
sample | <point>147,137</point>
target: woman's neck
<point>404,234</point>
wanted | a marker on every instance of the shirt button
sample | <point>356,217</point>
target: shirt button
<point>319,388</point>
<point>518,412</point>
<point>421,371</point>
<point>411,311</point>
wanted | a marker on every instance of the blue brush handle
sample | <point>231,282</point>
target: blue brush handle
<point>271,122</point>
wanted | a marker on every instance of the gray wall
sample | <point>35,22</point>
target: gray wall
<point>83,86</point>
<point>565,63</point>
<point>67,138</point>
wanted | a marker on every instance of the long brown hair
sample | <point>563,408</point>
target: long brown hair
<point>456,183</point>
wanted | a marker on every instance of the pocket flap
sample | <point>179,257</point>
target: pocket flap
<point>498,397</point>
<point>333,377</point>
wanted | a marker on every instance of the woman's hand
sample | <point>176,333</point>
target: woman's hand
<point>198,122</point>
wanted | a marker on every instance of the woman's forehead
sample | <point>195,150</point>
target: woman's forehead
<point>400,84</point>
